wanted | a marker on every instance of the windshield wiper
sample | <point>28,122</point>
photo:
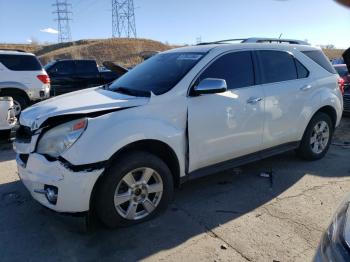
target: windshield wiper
<point>132,92</point>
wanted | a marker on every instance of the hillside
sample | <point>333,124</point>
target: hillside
<point>124,51</point>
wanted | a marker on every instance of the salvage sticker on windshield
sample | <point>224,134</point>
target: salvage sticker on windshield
<point>189,57</point>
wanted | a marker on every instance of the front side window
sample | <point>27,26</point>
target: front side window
<point>158,74</point>
<point>20,62</point>
<point>236,68</point>
<point>277,66</point>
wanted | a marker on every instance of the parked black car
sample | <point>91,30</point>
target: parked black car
<point>70,75</point>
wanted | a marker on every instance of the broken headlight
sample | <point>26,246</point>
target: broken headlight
<point>58,139</point>
<point>335,244</point>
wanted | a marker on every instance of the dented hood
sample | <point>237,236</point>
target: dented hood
<point>86,101</point>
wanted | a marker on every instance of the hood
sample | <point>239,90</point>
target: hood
<point>115,68</point>
<point>82,102</point>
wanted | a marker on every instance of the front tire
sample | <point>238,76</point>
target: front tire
<point>317,137</point>
<point>134,189</point>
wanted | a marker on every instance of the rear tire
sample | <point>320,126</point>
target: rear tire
<point>134,189</point>
<point>317,138</point>
<point>19,104</point>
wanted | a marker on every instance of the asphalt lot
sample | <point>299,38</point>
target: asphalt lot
<point>232,216</point>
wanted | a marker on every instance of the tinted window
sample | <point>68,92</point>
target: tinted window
<point>277,66</point>
<point>159,73</point>
<point>86,67</point>
<point>301,70</point>
<point>21,62</point>
<point>236,68</point>
<point>321,59</point>
<point>62,68</point>
<point>342,70</point>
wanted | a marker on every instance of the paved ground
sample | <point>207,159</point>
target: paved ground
<point>234,216</point>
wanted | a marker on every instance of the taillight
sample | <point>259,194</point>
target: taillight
<point>341,85</point>
<point>44,78</point>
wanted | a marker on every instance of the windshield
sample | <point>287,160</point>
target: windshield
<point>158,74</point>
<point>342,70</point>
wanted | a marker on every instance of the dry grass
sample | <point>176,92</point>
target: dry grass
<point>124,51</point>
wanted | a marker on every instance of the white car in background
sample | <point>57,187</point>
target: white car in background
<point>23,78</point>
<point>7,117</point>
<point>121,148</point>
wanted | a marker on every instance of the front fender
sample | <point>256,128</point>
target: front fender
<point>101,141</point>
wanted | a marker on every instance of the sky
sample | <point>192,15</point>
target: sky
<point>321,22</point>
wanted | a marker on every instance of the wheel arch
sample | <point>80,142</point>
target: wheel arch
<point>156,147</point>
<point>330,111</point>
<point>8,91</point>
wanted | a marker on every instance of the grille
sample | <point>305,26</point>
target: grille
<point>24,134</point>
<point>347,103</point>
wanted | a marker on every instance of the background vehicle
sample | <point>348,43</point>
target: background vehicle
<point>23,78</point>
<point>335,242</point>
<point>71,75</point>
<point>181,114</point>
<point>7,117</point>
<point>346,77</point>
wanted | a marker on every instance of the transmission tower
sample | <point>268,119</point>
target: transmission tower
<point>123,18</point>
<point>62,12</point>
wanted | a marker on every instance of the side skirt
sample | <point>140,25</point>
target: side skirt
<point>229,164</point>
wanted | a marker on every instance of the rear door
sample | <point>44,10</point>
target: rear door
<point>86,74</point>
<point>286,84</point>
<point>226,125</point>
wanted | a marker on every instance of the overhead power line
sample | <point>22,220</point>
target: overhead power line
<point>62,13</point>
<point>123,19</point>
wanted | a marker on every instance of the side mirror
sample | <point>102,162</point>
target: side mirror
<point>211,86</point>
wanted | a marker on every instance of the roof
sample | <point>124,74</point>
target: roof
<point>228,46</point>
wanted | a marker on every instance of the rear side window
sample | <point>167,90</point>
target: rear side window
<point>277,66</point>
<point>20,62</point>
<point>62,68</point>
<point>236,68</point>
<point>321,59</point>
<point>301,70</point>
<point>86,67</point>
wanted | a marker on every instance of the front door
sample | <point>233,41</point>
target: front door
<point>226,125</point>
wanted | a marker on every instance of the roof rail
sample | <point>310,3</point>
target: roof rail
<point>11,49</point>
<point>259,40</point>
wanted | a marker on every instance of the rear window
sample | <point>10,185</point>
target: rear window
<point>342,70</point>
<point>321,59</point>
<point>20,62</point>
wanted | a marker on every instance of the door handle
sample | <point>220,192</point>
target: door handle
<point>254,100</point>
<point>306,87</point>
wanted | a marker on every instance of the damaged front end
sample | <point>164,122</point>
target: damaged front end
<point>52,180</point>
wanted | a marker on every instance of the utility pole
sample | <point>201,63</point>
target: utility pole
<point>123,19</point>
<point>62,13</point>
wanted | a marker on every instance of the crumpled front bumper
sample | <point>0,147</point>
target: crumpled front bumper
<point>74,188</point>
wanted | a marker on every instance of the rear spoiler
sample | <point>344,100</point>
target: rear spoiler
<point>346,56</point>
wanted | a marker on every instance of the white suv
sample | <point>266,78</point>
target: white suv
<point>120,149</point>
<point>23,78</point>
<point>7,117</point>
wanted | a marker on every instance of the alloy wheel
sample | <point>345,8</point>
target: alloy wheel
<point>319,137</point>
<point>138,193</point>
